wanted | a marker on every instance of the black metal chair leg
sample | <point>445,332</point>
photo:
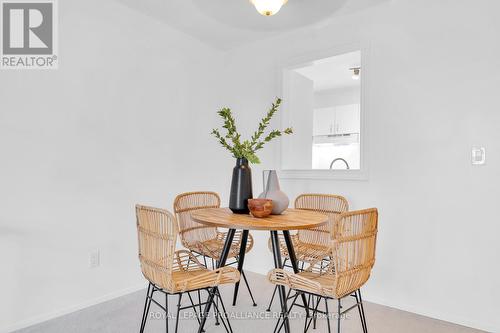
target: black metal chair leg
<point>308,307</point>
<point>281,322</point>
<point>216,312</point>
<point>199,301</point>
<point>275,289</point>
<point>216,308</point>
<point>315,310</point>
<point>272,298</point>
<point>241,259</point>
<point>145,312</point>
<point>327,315</point>
<point>293,260</point>
<point>194,307</point>
<point>224,316</point>
<point>338,316</point>
<point>315,317</point>
<point>166,312</point>
<point>223,321</point>
<point>248,287</point>
<point>216,315</point>
<point>359,311</point>
<point>205,313</point>
<point>278,264</point>
<point>178,313</point>
<point>222,262</point>
<point>147,309</point>
<point>362,311</point>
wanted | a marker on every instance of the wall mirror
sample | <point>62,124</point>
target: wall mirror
<point>323,104</point>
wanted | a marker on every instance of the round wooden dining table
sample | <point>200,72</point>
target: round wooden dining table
<point>291,219</point>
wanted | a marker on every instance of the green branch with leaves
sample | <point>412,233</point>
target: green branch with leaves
<point>248,148</point>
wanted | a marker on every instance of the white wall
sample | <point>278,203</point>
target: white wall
<point>124,120</point>
<point>334,97</point>
<point>298,147</point>
<point>435,72</point>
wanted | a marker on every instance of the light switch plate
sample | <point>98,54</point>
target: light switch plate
<point>94,258</point>
<point>478,155</point>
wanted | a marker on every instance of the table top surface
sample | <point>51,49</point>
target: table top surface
<point>291,219</point>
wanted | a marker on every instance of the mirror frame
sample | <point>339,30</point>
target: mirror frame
<point>360,174</point>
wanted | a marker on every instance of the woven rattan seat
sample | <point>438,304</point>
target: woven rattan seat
<point>173,271</point>
<point>352,242</point>
<point>311,245</point>
<point>205,240</point>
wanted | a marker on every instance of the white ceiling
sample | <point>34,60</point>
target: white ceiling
<point>226,24</point>
<point>333,73</point>
<point>241,14</point>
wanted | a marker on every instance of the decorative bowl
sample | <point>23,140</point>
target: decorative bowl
<point>260,207</point>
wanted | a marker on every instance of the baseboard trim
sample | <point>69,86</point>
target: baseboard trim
<point>442,317</point>
<point>58,313</point>
<point>488,327</point>
<point>367,297</point>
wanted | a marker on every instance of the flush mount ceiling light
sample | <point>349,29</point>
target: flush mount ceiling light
<point>268,7</point>
<point>355,72</point>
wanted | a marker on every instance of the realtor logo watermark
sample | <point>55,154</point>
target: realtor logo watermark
<point>29,34</point>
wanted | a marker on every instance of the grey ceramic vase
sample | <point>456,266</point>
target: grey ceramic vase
<point>272,191</point>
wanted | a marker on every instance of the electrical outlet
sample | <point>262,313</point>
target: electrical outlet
<point>94,259</point>
<point>478,155</point>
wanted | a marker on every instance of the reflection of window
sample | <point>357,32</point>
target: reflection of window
<point>324,107</point>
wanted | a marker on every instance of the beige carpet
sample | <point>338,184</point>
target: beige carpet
<point>124,314</point>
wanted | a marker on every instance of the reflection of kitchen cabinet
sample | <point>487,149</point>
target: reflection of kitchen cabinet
<point>341,119</point>
<point>347,119</point>
<point>323,121</point>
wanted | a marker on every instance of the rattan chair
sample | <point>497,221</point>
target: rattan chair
<point>205,240</point>
<point>313,245</point>
<point>174,272</point>
<point>352,244</point>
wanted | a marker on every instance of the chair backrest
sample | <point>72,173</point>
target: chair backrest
<point>331,205</point>
<point>189,230</point>
<point>353,239</point>
<point>157,233</point>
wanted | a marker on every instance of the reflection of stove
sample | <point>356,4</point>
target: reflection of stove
<point>339,159</point>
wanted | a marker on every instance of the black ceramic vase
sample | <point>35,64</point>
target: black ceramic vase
<point>241,187</point>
